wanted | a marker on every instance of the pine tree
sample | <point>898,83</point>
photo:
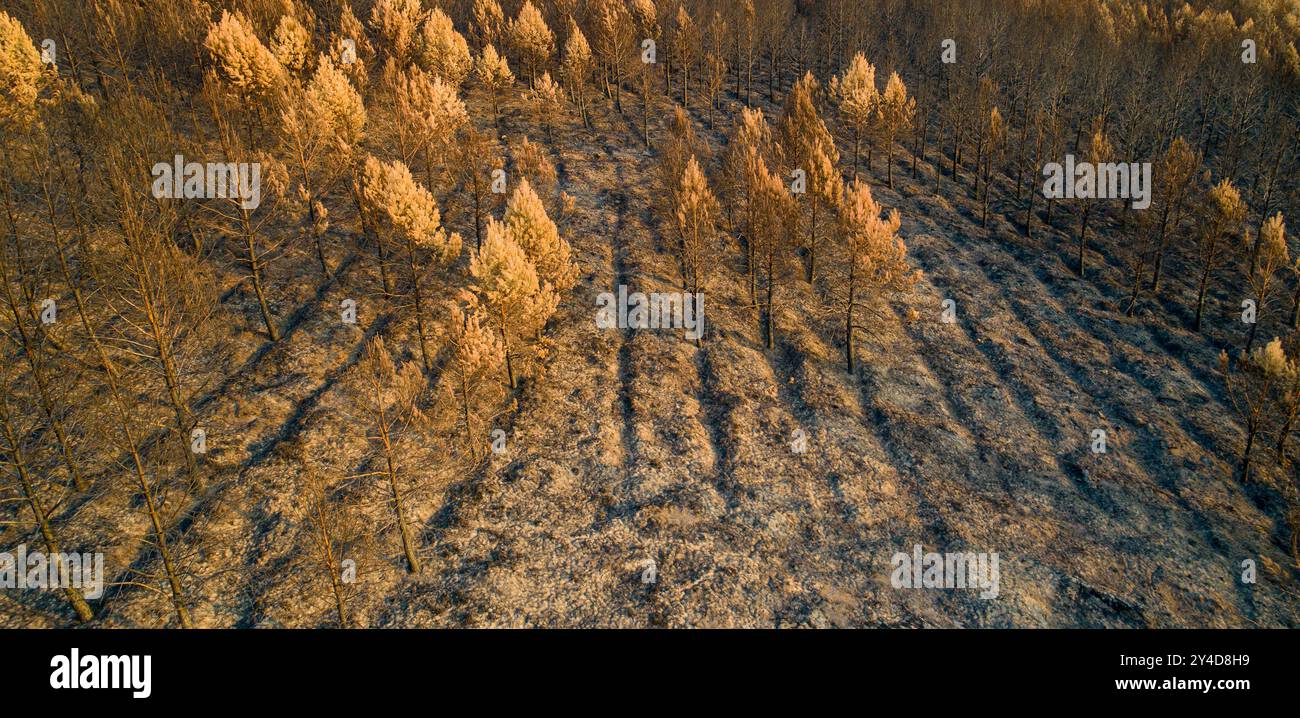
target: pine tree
<point>412,217</point>
<point>576,68</point>
<point>1173,182</point>
<point>1251,386</point>
<point>856,96</point>
<point>895,111</point>
<point>319,135</point>
<point>771,210</point>
<point>1271,256</point>
<point>876,261</point>
<point>478,157</point>
<point>529,227</point>
<point>825,192</point>
<point>752,137</point>
<point>241,60</point>
<point>391,398</point>
<point>21,74</point>
<point>291,45</point>
<point>697,218</point>
<point>508,286</point>
<point>614,44</point>
<point>489,22</point>
<point>1222,215</point>
<point>1099,152</point>
<point>17,458</point>
<point>532,39</point>
<point>443,51</point>
<point>429,114</point>
<point>397,22</point>
<point>684,48</point>
<point>547,98</point>
<point>493,73</point>
<point>476,351</point>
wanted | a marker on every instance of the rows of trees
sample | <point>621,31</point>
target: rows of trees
<point>116,322</point>
<point>358,115</point>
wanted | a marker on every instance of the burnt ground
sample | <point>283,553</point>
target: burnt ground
<point>637,445</point>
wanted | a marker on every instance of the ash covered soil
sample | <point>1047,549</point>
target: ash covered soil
<point>636,445</point>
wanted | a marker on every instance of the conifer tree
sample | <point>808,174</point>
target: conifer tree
<point>697,217</point>
<point>18,460</point>
<point>1221,217</point>
<point>22,76</point>
<point>241,60</point>
<point>1099,151</point>
<point>320,134</point>
<point>1174,177</point>
<point>876,260</point>
<point>532,40</point>
<point>476,352</point>
<point>614,43</point>
<point>685,48</point>
<point>825,191</point>
<point>291,45</point>
<point>478,158</point>
<point>489,22</point>
<point>529,227</point>
<point>1271,256</point>
<point>895,111</point>
<point>397,22</point>
<point>493,73</point>
<point>856,97</point>
<point>576,68</point>
<point>1251,385</point>
<point>508,286</point>
<point>429,114</point>
<point>547,98</point>
<point>412,217</point>
<point>391,397</point>
<point>442,50</point>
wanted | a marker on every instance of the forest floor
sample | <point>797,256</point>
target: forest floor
<point>636,446</point>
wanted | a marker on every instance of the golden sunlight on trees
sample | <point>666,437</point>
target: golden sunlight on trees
<point>876,261</point>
